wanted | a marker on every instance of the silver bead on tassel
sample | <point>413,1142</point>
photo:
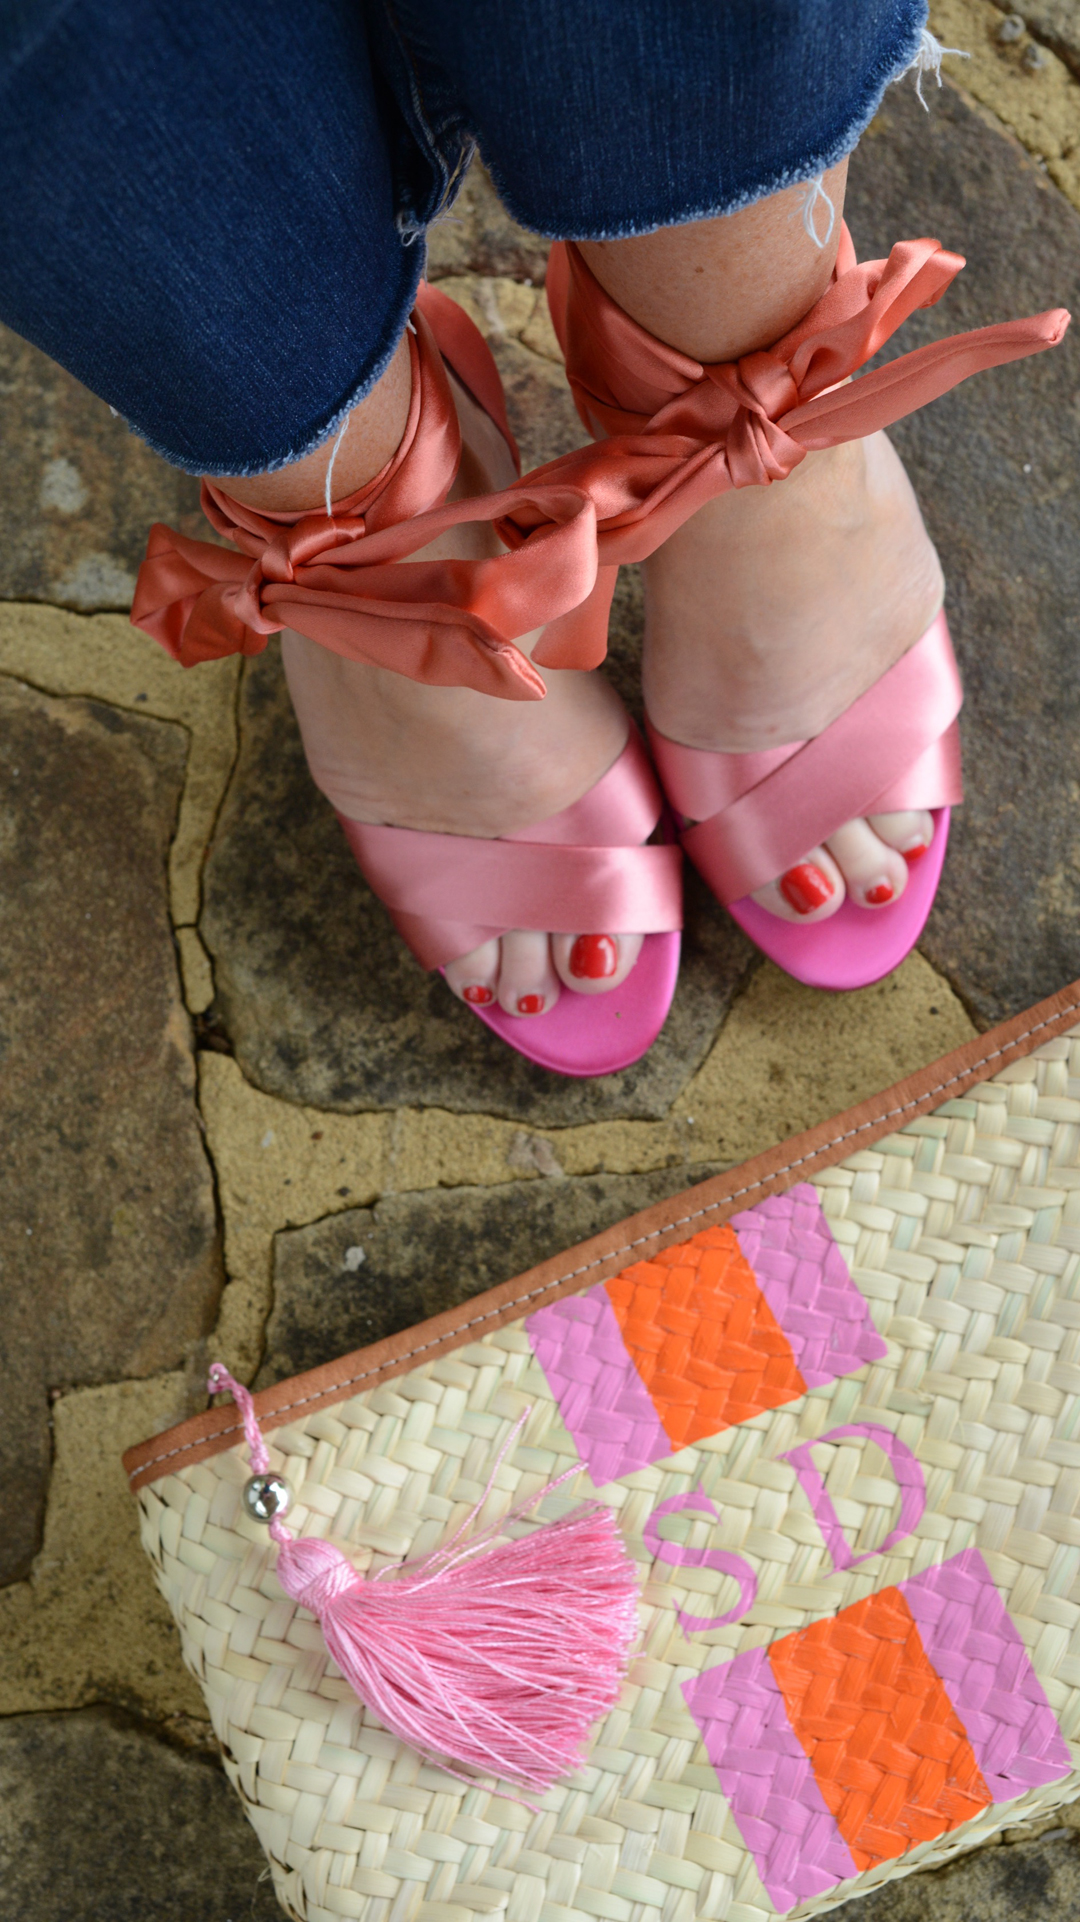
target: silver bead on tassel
<point>267,1496</point>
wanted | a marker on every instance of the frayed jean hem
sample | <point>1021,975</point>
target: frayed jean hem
<point>797,173</point>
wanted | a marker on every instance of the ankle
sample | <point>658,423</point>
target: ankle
<point>716,289</point>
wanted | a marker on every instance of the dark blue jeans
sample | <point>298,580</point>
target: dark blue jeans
<point>213,214</point>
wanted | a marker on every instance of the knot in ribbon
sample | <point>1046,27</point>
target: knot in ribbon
<point>761,389</point>
<point>679,433</point>
<point>298,546</point>
<point>218,602</point>
<point>357,580</point>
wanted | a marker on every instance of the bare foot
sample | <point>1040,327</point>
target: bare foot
<point>772,610</point>
<point>448,760</point>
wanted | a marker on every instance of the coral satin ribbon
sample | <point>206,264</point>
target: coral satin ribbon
<point>680,433</point>
<point>346,580</point>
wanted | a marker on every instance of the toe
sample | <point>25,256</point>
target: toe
<point>811,890</point>
<point>875,874</point>
<point>475,977</point>
<point>594,963</point>
<point>528,984</point>
<point>910,833</point>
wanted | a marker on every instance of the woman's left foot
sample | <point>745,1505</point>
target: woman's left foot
<point>769,613</point>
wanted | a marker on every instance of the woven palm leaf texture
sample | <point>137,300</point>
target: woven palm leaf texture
<point>833,1398</point>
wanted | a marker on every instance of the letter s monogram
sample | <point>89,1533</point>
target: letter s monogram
<point>721,1559</point>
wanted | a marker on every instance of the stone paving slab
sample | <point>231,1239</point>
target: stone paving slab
<point>89,1625</point>
<point>100,1821</point>
<point>1054,23</point>
<point>110,1262</point>
<point>107,659</point>
<point>994,465</point>
<point>355,1278</point>
<point>79,489</point>
<point>1024,85</point>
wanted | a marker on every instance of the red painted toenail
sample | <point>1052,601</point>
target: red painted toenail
<point>878,896</point>
<point>914,853</point>
<point>805,888</point>
<point>477,996</point>
<point>593,957</point>
<point>530,1004</point>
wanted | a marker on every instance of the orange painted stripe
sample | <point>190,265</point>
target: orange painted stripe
<point>888,1750</point>
<point>703,1338</point>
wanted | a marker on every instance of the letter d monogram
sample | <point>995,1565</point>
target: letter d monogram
<point>905,1467</point>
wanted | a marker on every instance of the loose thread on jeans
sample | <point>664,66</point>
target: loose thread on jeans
<point>342,431</point>
<point>928,60</point>
<point>815,191</point>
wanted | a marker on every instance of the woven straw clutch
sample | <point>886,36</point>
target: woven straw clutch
<point>833,1398</point>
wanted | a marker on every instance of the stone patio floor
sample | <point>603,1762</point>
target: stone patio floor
<point>206,1106</point>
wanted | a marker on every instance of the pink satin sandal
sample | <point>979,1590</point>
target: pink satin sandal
<point>583,868</point>
<point>756,815</point>
<point>678,434</point>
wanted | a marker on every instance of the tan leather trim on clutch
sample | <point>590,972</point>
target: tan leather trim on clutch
<point>605,1254</point>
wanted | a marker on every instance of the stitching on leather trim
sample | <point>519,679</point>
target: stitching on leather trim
<point>680,1221</point>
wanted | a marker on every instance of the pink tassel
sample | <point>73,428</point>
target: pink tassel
<point>501,1658</point>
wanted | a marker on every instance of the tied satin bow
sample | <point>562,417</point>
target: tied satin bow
<point>679,433</point>
<point>347,580</point>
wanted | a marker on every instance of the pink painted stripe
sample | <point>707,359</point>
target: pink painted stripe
<point>805,1280</point>
<point>766,1775</point>
<point>601,1397</point>
<point>979,1653</point>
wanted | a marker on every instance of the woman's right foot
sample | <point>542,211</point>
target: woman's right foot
<point>387,750</point>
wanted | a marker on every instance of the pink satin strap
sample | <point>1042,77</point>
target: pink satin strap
<point>573,873</point>
<point>896,747</point>
<point>680,434</point>
<point>699,782</point>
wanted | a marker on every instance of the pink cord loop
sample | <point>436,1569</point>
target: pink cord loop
<point>220,1382</point>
